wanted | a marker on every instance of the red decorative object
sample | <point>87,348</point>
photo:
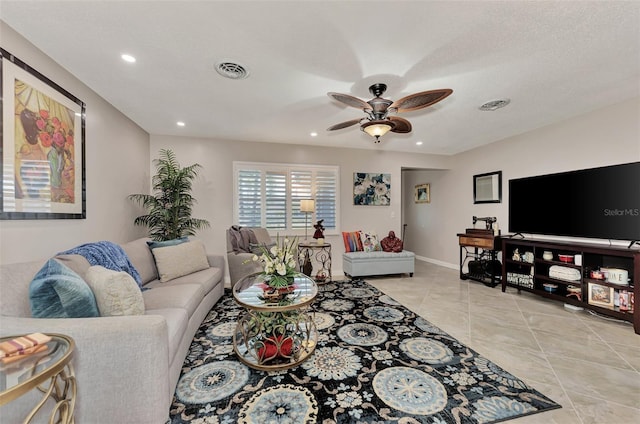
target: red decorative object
<point>275,347</point>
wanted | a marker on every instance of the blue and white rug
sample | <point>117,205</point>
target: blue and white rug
<point>375,362</point>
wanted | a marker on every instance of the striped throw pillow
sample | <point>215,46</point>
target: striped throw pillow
<point>352,242</point>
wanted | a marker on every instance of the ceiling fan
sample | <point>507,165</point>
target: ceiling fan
<point>377,121</point>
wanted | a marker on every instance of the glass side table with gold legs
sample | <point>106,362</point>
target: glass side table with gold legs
<point>275,333</point>
<point>50,372</point>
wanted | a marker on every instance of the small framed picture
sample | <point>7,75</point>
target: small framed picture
<point>423,193</point>
<point>601,295</point>
<point>624,300</point>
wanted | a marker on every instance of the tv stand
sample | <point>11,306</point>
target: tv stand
<point>536,267</point>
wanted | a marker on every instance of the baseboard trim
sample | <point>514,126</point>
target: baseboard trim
<point>437,262</point>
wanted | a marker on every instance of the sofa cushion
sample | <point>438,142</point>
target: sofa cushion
<point>140,256</point>
<point>207,278</point>
<point>77,263</point>
<point>352,242</point>
<point>183,296</point>
<point>179,260</point>
<point>14,293</point>
<point>177,324</point>
<point>58,292</point>
<point>116,292</point>
<point>262,235</point>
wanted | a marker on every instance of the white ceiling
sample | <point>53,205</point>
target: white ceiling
<point>553,59</point>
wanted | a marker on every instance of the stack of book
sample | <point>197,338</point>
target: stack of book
<point>20,347</point>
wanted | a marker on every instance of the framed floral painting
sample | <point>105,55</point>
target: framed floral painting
<point>371,189</point>
<point>42,145</point>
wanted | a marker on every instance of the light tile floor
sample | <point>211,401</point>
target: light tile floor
<point>588,364</point>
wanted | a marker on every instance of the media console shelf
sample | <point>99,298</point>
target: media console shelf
<point>530,265</point>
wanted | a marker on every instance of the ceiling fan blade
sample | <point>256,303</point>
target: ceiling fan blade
<point>420,100</point>
<point>402,125</point>
<point>344,124</point>
<point>350,101</point>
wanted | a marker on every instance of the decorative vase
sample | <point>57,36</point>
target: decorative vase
<point>547,255</point>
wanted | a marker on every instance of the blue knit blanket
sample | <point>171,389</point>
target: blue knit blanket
<point>108,255</point>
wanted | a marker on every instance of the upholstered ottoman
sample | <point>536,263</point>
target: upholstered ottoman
<point>358,264</point>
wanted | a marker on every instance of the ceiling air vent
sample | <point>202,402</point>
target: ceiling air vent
<point>495,104</point>
<point>232,70</point>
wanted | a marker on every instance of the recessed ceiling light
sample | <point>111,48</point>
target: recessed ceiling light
<point>313,134</point>
<point>180,124</point>
<point>494,105</point>
<point>418,143</point>
<point>128,58</point>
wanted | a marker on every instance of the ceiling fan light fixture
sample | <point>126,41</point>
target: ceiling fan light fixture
<point>377,128</point>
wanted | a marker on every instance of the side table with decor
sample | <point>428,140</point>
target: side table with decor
<point>48,370</point>
<point>314,260</point>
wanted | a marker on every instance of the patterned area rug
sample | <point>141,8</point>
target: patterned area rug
<point>375,362</point>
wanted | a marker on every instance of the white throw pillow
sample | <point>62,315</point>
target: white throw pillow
<point>369,241</point>
<point>116,292</point>
<point>179,260</point>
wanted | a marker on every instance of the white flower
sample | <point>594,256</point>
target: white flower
<point>381,189</point>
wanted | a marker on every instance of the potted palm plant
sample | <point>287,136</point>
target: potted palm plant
<point>169,207</point>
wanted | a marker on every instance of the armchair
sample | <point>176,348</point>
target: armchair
<point>239,257</point>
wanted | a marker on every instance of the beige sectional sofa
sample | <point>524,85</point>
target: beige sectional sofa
<point>126,367</point>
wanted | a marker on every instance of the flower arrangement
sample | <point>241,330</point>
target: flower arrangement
<point>279,263</point>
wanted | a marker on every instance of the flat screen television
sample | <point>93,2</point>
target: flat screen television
<point>591,203</point>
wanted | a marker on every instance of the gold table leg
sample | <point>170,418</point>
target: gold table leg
<point>62,389</point>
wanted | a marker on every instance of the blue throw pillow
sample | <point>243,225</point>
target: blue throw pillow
<point>58,292</point>
<point>154,244</point>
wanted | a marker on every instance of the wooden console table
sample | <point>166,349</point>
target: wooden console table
<point>479,253</point>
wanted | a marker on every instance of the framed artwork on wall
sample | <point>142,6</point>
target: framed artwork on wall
<point>371,189</point>
<point>422,193</point>
<point>42,143</point>
<point>487,188</point>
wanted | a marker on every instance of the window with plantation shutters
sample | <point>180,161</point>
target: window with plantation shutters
<point>268,195</point>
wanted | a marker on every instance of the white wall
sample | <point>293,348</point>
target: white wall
<point>117,164</point>
<point>119,156</point>
<point>214,187</point>
<point>605,137</point>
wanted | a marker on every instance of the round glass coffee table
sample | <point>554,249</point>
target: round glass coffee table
<point>49,371</point>
<point>275,333</point>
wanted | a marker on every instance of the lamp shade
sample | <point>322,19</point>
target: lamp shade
<point>307,205</point>
<point>377,128</point>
